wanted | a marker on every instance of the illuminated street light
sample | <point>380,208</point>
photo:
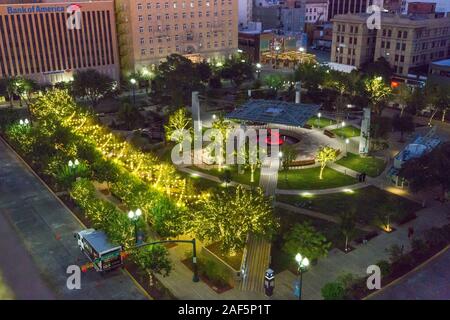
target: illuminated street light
<point>24,122</point>
<point>302,264</point>
<point>301,49</point>
<point>347,141</point>
<point>134,216</point>
<point>133,87</point>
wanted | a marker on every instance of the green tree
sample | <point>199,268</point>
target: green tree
<point>224,126</point>
<point>92,85</point>
<point>204,71</point>
<point>439,94</point>
<point>129,115</point>
<point>288,155</point>
<point>378,93</point>
<point>8,88</point>
<point>105,171</point>
<point>153,258</point>
<point>237,71</point>
<point>325,155</point>
<point>231,215</point>
<point>175,79</point>
<point>403,94</point>
<point>179,122</point>
<point>430,170</point>
<point>403,124</point>
<point>381,67</point>
<point>274,81</point>
<point>311,75</point>
<point>306,240</point>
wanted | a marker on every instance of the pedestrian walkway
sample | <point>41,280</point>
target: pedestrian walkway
<point>258,249</point>
<point>356,262</point>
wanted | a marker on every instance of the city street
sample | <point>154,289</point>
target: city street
<point>38,245</point>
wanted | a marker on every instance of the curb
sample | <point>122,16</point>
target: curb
<point>136,283</point>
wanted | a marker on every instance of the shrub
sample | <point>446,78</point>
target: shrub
<point>333,291</point>
<point>306,239</point>
<point>385,267</point>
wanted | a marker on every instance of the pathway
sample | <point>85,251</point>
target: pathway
<point>258,249</point>
<point>357,261</point>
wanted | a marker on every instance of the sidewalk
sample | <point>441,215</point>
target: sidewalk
<point>357,261</point>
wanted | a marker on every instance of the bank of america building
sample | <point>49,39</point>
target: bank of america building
<point>50,41</point>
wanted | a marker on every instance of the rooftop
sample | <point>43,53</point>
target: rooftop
<point>274,111</point>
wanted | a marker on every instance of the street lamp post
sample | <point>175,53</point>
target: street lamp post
<point>258,70</point>
<point>347,141</point>
<point>302,263</point>
<point>134,216</point>
<point>73,164</point>
<point>319,115</point>
<point>277,50</point>
<point>133,89</point>
<point>342,127</point>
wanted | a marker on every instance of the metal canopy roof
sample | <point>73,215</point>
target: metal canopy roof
<point>274,111</point>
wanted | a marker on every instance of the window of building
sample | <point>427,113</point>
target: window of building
<point>141,29</point>
<point>139,6</point>
<point>142,52</point>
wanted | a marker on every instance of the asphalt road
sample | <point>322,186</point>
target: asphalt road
<point>37,243</point>
<point>431,282</point>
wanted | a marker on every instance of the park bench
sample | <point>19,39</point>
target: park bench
<point>307,126</point>
<point>328,133</point>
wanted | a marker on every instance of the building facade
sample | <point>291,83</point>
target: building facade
<point>441,5</point>
<point>347,6</point>
<point>245,13</point>
<point>316,11</point>
<point>408,43</point>
<point>148,30</point>
<point>36,42</point>
<point>284,17</point>
<point>353,43</point>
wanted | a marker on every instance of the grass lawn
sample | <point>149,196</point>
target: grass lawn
<point>370,165</point>
<point>280,259</point>
<point>320,123</point>
<point>308,179</point>
<point>200,183</point>
<point>347,132</point>
<point>243,178</point>
<point>366,203</point>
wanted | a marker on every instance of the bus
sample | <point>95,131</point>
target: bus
<point>95,245</point>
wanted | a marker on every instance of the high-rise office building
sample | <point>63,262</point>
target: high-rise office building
<point>36,42</point>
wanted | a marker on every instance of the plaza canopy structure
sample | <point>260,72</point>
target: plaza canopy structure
<point>289,58</point>
<point>275,112</point>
